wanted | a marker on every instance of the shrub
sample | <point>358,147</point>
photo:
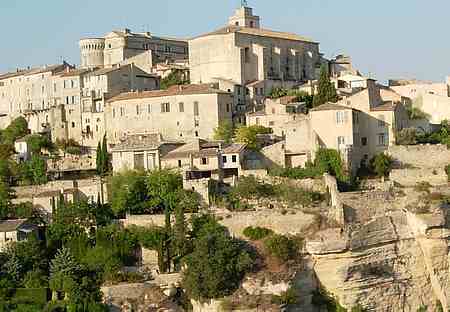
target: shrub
<point>309,172</point>
<point>281,247</point>
<point>329,160</point>
<point>287,297</point>
<point>249,187</point>
<point>257,233</point>
<point>407,136</point>
<point>381,164</point>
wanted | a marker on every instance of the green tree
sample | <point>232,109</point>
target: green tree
<point>17,129</point>
<point>64,263</point>
<point>326,91</point>
<point>381,164</point>
<point>176,77</point>
<point>329,160</point>
<point>102,157</point>
<point>37,142</point>
<point>162,188</point>
<point>224,132</point>
<point>34,171</point>
<point>6,194</point>
<point>179,237</point>
<point>128,193</point>
<point>249,135</point>
<point>217,264</point>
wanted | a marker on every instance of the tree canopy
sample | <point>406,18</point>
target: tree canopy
<point>249,135</point>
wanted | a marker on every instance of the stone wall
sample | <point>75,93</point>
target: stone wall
<point>337,206</point>
<point>420,163</point>
<point>236,222</point>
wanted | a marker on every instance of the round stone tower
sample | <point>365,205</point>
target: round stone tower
<point>92,52</point>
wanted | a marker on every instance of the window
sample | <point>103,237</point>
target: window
<point>196,123</point>
<point>363,141</point>
<point>73,99</point>
<point>257,121</point>
<point>114,113</point>
<point>273,111</point>
<point>181,107</point>
<point>196,112</point>
<point>341,117</point>
<point>73,124</point>
<point>179,163</point>
<point>196,133</point>
<point>122,111</point>
<point>252,24</point>
<point>381,139</point>
<point>72,84</point>
<point>204,161</point>
<point>228,108</point>
<point>272,123</point>
<point>341,140</point>
<point>224,159</point>
<point>67,100</point>
<point>234,158</point>
<point>137,109</point>
<point>165,107</point>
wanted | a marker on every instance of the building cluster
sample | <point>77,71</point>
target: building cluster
<point>116,92</point>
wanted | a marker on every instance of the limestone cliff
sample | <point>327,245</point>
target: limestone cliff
<point>397,261</point>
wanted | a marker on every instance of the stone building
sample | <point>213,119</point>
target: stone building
<point>140,152</point>
<point>179,113</point>
<point>29,89</point>
<point>249,60</point>
<point>12,231</point>
<point>143,49</point>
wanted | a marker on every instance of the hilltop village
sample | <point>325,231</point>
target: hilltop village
<point>239,170</point>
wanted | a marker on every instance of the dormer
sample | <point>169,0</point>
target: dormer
<point>243,17</point>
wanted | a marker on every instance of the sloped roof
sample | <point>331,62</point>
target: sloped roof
<point>35,70</point>
<point>11,225</point>
<point>257,32</point>
<point>329,106</point>
<point>137,142</point>
<point>233,148</point>
<point>386,107</point>
<point>174,90</point>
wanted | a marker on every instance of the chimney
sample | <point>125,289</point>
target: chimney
<point>127,30</point>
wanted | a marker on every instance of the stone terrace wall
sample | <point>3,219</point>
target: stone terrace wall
<point>236,222</point>
<point>420,163</point>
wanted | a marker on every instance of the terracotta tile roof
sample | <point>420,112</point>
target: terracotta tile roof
<point>11,225</point>
<point>137,142</point>
<point>196,148</point>
<point>329,106</point>
<point>257,32</point>
<point>388,106</point>
<point>36,70</point>
<point>74,72</point>
<point>174,90</point>
<point>233,148</point>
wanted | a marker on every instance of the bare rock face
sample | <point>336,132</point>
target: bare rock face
<point>395,262</point>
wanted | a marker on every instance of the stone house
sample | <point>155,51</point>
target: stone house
<point>254,59</point>
<point>178,113</point>
<point>12,231</point>
<point>277,113</point>
<point>22,148</point>
<point>140,152</point>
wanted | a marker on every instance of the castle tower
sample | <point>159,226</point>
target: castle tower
<point>92,52</point>
<point>244,17</point>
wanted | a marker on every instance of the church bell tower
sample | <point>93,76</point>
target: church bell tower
<point>244,17</point>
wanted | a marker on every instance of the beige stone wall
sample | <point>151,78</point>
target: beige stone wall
<point>413,91</point>
<point>436,106</point>
<point>173,125</point>
<point>7,238</point>
<point>420,163</point>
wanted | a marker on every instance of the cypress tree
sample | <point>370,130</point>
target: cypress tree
<point>326,91</point>
<point>105,156</point>
<point>99,161</point>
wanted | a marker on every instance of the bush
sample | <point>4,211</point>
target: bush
<point>329,160</point>
<point>31,295</point>
<point>309,172</point>
<point>257,233</point>
<point>281,247</point>
<point>287,297</point>
<point>381,164</point>
<point>407,136</point>
<point>249,187</point>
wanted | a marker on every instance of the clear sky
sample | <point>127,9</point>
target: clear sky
<point>386,38</point>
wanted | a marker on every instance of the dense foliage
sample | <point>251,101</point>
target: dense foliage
<point>176,77</point>
<point>381,164</point>
<point>301,96</point>
<point>249,135</point>
<point>326,91</point>
<point>103,164</point>
<point>217,264</point>
<point>256,233</point>
<point>224,132</point>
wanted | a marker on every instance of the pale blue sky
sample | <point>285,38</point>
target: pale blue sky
<point>387,38</point>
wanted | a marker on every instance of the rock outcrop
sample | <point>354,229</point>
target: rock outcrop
<point>398,261</point>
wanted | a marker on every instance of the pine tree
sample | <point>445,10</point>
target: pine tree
<point>326,91</point>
